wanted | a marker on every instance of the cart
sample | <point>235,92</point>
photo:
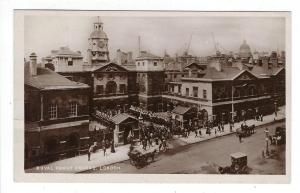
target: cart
<point>238,165</point>
<point>140,157</point>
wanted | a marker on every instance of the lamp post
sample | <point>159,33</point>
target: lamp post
<point>112,150</point>
<point>275,108</point>
<point>267,146</point>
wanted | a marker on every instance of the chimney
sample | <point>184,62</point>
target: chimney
<point>129,57</point>
<point>119,57</point>
<point>33,64</point>
<point>216,64</point>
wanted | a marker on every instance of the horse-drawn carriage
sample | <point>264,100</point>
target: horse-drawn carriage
<point>238,165</point>
<point>245,130</point>
<point>279,137</point>
<point>140,157</point>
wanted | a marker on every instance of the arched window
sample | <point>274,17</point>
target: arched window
<point>111,87</point>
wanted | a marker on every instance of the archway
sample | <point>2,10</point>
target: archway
<point>111,87</point>
<point>73,140</point>
<point>51,145</point>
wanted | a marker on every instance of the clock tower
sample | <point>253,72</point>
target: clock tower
<point>98,46</point>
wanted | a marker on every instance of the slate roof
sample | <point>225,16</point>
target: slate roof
<point>181,110</point>
<point>46,79</point>
<point>147,55</point>
<point>225,73</point>
<point>119,118</point>
<point>64,52</point>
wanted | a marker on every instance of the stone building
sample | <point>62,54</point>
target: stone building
<point>150,79</point>
<point>56,115</point>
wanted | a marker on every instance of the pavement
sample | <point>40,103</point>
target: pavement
<point>81,163</point>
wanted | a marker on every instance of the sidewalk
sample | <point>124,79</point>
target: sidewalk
<point>267,119</point>
<point>81,163</point>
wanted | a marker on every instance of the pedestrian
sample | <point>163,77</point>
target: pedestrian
<point>104,147</point>
<point>222,127</point>
<point>196,133</point>
<point>200,133</point>
<point>90,152</point>
<point>215,131</point>
<point>240,138</point>
<point>267,132</point>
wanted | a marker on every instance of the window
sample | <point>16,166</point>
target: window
<point>182,75</point>
<point>155,63</point>
<point>70,62</point>
<point>53,111</point>
<point>187,91</point>
<point>179,89</point>
<point>175,75</point>
<point>122,88</point>
<point>143,63</point>
<point>99,89</point>
<point>138,63</point>
<point>204,94</point>
<point>73,109</point>
<point>195,91</point>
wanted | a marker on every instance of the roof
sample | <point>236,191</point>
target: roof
<point>119,118</point>
<point>64,52</point>
<point>147,55</point>
<point>46,79</point>
<point>225,73</point>
<point>181,110</point>
<point>238,155</point>
<point>98,35</point>
<point>173,66</point>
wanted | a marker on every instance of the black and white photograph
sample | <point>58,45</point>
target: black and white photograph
<point>154,93</point>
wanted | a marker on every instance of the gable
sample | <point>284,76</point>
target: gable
<point>111,67</point>
<point>245,75</point>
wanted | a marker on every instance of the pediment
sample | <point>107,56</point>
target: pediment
<point>111,67</point>
<point>245,75</point>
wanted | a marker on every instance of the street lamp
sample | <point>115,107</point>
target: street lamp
<point>112,150</point>
<point>275,110</point>
<point>267,146</point>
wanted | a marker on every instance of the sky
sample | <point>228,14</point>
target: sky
<point>158,34</point>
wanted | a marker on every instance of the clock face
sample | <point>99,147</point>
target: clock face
<point>101,44</point>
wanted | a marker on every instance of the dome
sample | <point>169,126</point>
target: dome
<point>245,50</point>
<point>98,34</point>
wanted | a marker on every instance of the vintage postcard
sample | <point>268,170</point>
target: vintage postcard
<point>114,96</point>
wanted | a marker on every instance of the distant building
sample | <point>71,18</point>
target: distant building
<point>64,60</point>
<point>219,91</point>
<point>245,50</point>
<point>56,115</point>
<point>150,78</point>
<point>124,58</point>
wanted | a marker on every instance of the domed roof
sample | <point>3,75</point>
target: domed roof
<point>98,34</point>
<point>245,49</point>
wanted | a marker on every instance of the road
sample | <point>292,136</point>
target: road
<point>206,156</point>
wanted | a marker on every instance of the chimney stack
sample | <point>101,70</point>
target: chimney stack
<point>119,57</point>
<point>33,64</point>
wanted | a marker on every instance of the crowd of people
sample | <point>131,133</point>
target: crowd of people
<point>154,135</point>
<point>149,116</point>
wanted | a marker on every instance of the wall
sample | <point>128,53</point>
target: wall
<point>149,65</point>
<point>103,78</point>
<point>61,64</point>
